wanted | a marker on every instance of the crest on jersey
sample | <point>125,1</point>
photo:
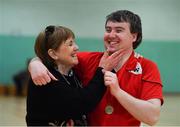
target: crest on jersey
<point>137,70</point>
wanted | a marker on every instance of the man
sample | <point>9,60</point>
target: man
<point>139,95</point>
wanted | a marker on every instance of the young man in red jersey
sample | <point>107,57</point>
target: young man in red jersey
<point>138,97</point>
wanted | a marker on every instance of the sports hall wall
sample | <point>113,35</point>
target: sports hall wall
<point>22,20</point>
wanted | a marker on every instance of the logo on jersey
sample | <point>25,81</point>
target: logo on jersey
<point>137,70</point>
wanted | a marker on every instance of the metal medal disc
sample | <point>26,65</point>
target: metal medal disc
<point>109,109</point>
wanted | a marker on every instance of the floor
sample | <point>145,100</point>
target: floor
<point>12,111</point>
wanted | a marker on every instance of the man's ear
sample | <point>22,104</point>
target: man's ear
<point>134,36</point>
<point>52,54</point>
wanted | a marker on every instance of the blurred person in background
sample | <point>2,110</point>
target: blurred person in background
<point>21,80</point>
<point>134,93</point>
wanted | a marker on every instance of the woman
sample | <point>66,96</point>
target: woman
<point>64,99</point>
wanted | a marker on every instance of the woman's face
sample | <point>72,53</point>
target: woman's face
<point>66,53</point>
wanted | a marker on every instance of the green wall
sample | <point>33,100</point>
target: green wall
<point>15,50</point>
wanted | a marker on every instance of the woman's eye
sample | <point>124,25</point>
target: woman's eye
<point>70,43</point>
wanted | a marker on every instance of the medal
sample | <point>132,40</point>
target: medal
<point>109,109</point>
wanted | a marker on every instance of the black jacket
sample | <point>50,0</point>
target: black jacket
<point>59,101</point>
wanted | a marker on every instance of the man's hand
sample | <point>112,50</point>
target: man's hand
<point>39,73</point>
<point>111,81</point>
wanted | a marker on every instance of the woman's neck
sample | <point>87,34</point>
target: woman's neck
<point>63,69</point>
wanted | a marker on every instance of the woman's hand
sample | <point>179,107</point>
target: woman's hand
<point>109,62</point>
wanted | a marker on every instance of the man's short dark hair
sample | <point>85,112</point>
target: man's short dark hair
<point>133,19</point>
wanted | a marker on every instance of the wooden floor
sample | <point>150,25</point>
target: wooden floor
<point>12,111</point>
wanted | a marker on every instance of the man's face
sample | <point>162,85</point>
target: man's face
<point>117,36</point>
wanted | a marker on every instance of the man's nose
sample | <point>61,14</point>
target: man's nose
<point>112,34</point>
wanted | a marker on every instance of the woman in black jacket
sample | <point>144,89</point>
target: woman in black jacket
<point>60,101</point>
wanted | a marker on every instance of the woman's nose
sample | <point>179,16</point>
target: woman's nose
<point>76,47</point>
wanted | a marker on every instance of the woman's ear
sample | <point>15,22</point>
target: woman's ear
<point>52,54</point>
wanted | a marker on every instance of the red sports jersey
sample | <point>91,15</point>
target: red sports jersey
<point>139,77</point>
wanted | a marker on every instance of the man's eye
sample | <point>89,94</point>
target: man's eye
<point>118,31</point>
<point>108,30</point>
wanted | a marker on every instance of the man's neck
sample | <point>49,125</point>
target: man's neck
<point>123,59</point>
